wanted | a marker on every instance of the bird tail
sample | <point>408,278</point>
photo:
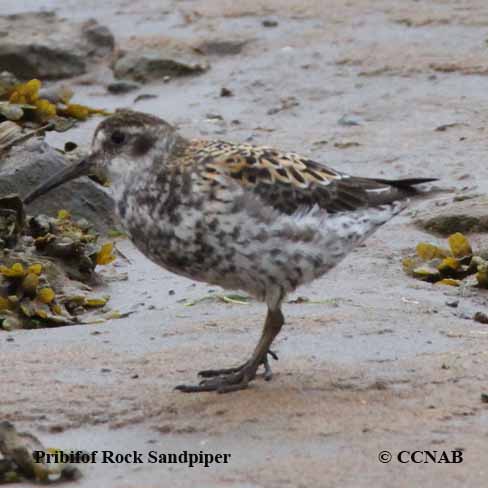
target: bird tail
<point>406,183</point>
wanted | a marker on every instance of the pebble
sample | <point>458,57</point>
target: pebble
<point>121,87</point>
<point>225,92</point>
<point>481,317</point>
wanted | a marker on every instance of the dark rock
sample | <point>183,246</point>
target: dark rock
<point>269,23</point>
<point>99,38</point>
<point>481,317</point>
<point>222,48</point>
<point>42,45</point>
<point>212,116</point>
<point>444,127</point>
<point>70,473</point>
<point>225,92</point>
<point>144,96</point>
<point>121,87</point>
<point>287,103</point>
<point>467,216</point>
<point>25,166</point>
<point>169,59</point>
<point>70,146</point>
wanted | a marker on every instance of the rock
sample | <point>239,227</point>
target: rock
<point>25,166</point>
<point>42,45</point>
<point>225,92</point>
<point>480,317</point>
<point>346,144</point>
<point>444,127</point>
<point>11,111</point>
<point>122,87</point>
<point>468,216</point>
<point>348,121</point>
<point>9,132</point>
<point>287,103</point>
<point>144,96</point>
<point>168,58</point>
<point>218,47</point>
<point>99,38</point>
<point>269,23</point>
<point>7,82</point>
<point>17,455</point>
<point>57,93</point>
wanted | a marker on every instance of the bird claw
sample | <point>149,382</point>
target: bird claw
<point>268,374</point>
<point>221,384</point>
<point>229,379</point>
<point>272,354</point>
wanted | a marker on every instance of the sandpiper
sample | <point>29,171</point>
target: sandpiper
<point>234,215</point>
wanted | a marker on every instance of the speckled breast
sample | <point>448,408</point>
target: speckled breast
<point>170,228</point>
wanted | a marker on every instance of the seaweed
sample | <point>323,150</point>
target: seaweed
<point>447,266</point>
<point>17,461</point>
<point>42,258</point>
<point>31,105</point>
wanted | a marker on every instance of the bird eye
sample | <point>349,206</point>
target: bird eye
<point>118,137</point>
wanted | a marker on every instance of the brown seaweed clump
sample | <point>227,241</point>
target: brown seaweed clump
<point>45,267</point>
<point>18,464</point>
<point>73,242</point>
<point>448,266</point>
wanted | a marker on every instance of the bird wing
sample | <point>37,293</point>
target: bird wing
<point>289,182</point>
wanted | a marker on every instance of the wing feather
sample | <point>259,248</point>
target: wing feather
<point>288,182</point>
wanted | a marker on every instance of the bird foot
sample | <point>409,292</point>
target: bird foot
<point>268,374</point>
<point>229,379</point>
<point>224,383</point>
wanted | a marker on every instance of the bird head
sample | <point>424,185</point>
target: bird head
<point>124,145</point>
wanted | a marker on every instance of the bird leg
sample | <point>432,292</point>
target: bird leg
<point>268,374</point>
<point>233,379</point>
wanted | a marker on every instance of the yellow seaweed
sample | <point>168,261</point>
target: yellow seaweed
<point>96,302</point>
<point>4,304</point>
<point>449,265</point>
<point>35,268</point>
<point>26,93</point>
<point>41,313</point>
<point>15,271</point>
<point>77,111</point>
<point>105,255</point>
<point>64,214</point>
<point>46,295</point>
<point>30,283</point>
<point>426,273</point>
<point>427,251</point>
<point>460,246</point>
<point>45,109</point>
<point>449,282</point>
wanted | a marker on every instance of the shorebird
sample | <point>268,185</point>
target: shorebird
<point>234,215</point>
